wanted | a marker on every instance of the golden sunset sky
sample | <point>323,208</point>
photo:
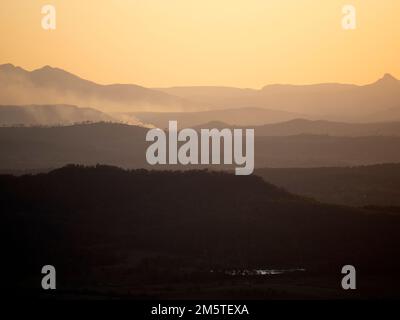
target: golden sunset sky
<point>243,43</point>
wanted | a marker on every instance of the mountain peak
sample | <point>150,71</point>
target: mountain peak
<point>57,75</point>
<point>9,67</point>
<point>387,78</point>
<point>48,68</point>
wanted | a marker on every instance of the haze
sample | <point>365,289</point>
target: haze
<point>188,42</point>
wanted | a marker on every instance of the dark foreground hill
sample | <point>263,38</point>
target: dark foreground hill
<point>107,230</point>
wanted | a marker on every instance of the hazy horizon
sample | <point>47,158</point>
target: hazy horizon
<point>376,101</point>
<point>378,77</point>
<point>175,43</point>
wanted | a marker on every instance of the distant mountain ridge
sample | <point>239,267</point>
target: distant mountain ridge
<point>378,101</point>
<point>258,119</point>
<point>50,85</point>
<point>321,127</point>
<point>239,117</point>
<point>328,101</point>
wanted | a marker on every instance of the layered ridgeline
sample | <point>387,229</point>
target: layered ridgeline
<point>321,127</point>
<point>264,126</point>
<point>108,229</point>
<point>49,85</point>
<point>34,148</point>
<point>226,117</point>
<point>378,101</point>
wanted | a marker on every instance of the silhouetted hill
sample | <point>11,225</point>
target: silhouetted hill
<point>377,185</point>
<point>49,85</point>
<point>106,227</point>
<point>239,117</point>
<point>316,127</point>
<point>125,146</point>
<point>320,127</point>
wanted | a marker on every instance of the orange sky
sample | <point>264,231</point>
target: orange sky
<point>243,43</point>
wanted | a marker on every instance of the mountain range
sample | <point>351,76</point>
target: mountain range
<point>260,116</point>
<point>49,85</point>
<point>239,117</point>
<point>378,101</point>
<point>317,127</point>
<point>329,101</point>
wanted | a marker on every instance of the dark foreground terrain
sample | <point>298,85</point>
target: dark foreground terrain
<point>194,234</point>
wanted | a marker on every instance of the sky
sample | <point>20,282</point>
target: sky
<point>241,43</point>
